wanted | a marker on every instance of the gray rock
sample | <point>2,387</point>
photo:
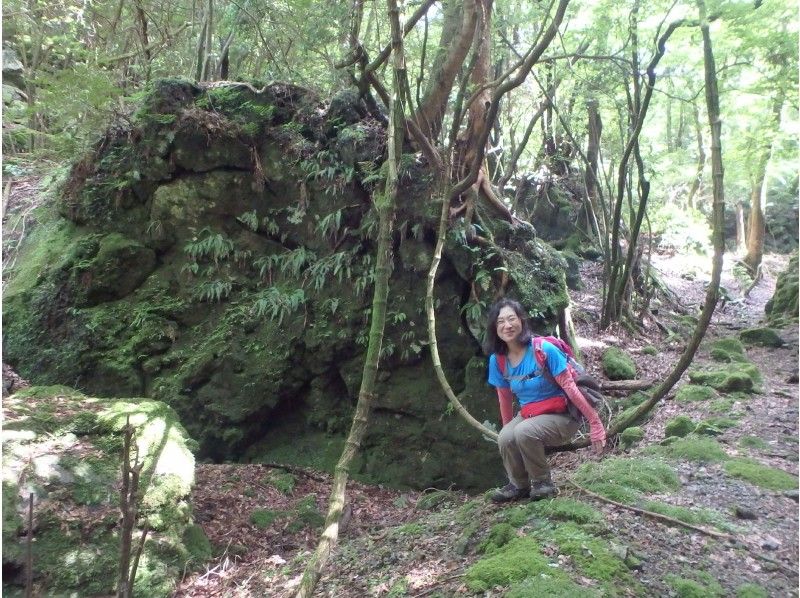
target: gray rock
<point>793,494</point>
<point>770,543</point>
<point>743,512</point>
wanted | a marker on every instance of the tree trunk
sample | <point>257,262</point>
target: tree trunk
<point>741,244</point>
<point>460,20</point>
<point>701,158</point>
<point>384,204</point>
<point>756,223</point>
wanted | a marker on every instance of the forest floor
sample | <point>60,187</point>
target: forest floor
<point>402,543</point>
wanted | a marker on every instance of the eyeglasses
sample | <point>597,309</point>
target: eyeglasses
<point>508,320</point>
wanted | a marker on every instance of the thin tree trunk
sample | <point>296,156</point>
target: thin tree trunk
<point>701,158</point>
<point>741,244</point>
<point>384,204</point>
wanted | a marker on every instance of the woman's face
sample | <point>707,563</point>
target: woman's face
<point>509,326</point>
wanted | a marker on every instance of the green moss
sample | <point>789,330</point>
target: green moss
<point>687,515</point>
<point>693,393</point>
<point>197,544</point>
<point>519,559</point>
<point>306,515</point>
<point>751,590</point>
<point>631,436</point>
<point>649,350</point>
<point>409,530</point>
<point>283,481</point>
<point>68,563</point>
<point>753,442</point>
<point>434,499</point>
<point>551,587</point>
<point>762,337</point>
<point>617,365</point>
<point>685,587</point>
<point>592,555</point>
<point>624,479</point>
<point>722,405</point>
<point>695,448</point>
<point>517,516</point>
<point>761,475</point>
<point>566,509</point>
<point>784,302</point>
<point>679,426</point>
<point>263,518</point>
<point>500,535</point>
<point>12,523</point>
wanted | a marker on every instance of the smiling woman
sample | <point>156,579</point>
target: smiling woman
<point>537,373</point>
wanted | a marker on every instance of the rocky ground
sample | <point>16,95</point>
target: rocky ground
<point>264,520</point>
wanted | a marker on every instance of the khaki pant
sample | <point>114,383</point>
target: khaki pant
<point>522,443</point>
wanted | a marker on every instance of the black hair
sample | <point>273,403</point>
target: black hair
<point>493,343</point>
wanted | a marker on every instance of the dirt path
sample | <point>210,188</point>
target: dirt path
<point>394,544</point>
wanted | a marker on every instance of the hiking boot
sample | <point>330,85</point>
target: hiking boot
<point>541,489</point>
<point>508,493</point>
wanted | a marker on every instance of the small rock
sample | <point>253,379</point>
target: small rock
<point>793,494</point>
<point>770,543</point>
<point>743,512</point>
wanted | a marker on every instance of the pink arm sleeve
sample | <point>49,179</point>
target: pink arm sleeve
<point>565,381</point>
<point>506,399</point>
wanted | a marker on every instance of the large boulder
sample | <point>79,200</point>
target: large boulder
<point>217,254</point>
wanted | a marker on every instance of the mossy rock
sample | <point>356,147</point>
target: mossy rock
<point>784,302</point>
<point>694,393</point>
<point>761,337</point>
<point>680,426</point>
<point>618,365</point>
<point>649,350</point>
<point>738,377</point>
<point>631,436</point>
<point>77,469</point>
<point>727,350</point>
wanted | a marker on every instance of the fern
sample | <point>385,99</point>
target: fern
<point>213,290</point>
<point>250,219</point>
<point>330,224</point>
<point>277,303</point>
<point>208,245</point>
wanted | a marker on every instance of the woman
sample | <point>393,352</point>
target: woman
<point>543,419</point>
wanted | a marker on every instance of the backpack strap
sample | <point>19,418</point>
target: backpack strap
<point>501,363</point>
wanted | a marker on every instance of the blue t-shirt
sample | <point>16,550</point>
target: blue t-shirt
<point>533,389</point>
